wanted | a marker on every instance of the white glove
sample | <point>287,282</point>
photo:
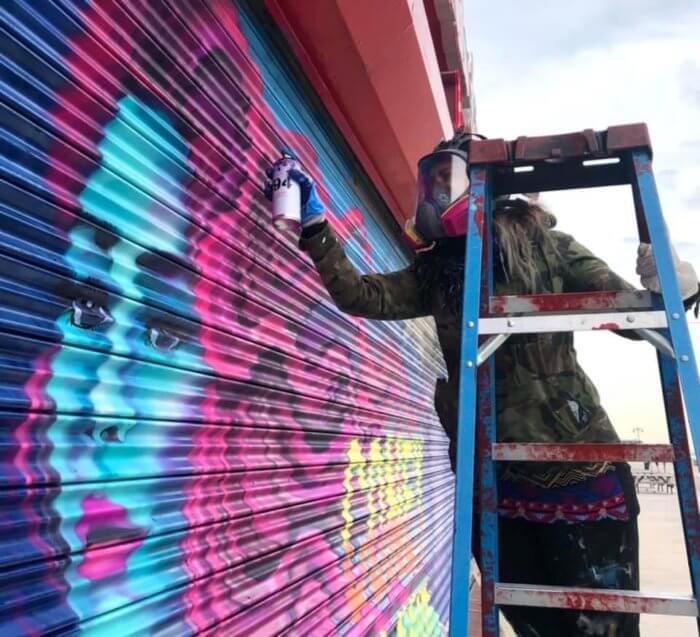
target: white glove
<point>646,269</point>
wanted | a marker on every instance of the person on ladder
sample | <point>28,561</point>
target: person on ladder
<point>559,524</point>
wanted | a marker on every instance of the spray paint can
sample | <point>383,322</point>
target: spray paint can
<point>286,195</point>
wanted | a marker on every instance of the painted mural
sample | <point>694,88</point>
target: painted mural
<point>193,440</point>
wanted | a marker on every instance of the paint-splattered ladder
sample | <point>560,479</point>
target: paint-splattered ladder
<point>618,155</point>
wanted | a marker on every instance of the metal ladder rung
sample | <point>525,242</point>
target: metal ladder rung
<point>581,452</point>
<point>573,322</point>
<point>570,302</point>
<point>595,599</point>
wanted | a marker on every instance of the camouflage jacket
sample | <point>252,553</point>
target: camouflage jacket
<point>542,394</point>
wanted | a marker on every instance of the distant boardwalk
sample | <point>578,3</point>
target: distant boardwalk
<point>654,477</point>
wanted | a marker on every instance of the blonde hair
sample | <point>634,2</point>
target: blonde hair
<point>519,224</point>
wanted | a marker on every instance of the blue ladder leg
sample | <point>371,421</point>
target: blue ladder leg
<point>486,436</point>
<point>684,369</point>
<point>683,464</point>
<point>464,490</point>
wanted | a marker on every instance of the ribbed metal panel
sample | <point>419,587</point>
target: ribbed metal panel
<point>192,438</point>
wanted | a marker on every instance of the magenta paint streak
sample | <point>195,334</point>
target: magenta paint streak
<point>104,522</point>
<point>203,549</point>
<point>259,519</point>
<point>91,71</point>
<point>33,450</point>
<point>26,434</point>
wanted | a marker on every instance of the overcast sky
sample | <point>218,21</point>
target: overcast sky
<point>552,67</point>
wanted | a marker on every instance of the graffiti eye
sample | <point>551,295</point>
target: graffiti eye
<point>89,315</point>
<point>162,339</point>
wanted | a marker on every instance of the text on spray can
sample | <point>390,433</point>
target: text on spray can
<point>286,196</point>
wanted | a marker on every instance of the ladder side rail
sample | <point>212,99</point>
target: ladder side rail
<point>673,303</point>
<point>642,227</point>
<point>464,488</point>
<point>679,377</point>
<point>682,467</point>
<point>486,436</point>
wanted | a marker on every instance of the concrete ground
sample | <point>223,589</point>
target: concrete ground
<point>663,563</point>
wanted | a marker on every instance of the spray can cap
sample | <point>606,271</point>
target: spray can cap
<point>287,153</point>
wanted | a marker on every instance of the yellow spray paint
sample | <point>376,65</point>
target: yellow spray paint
<point>377,472</point>
<point>417,617</point>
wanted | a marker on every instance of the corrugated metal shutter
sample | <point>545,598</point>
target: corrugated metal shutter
<point>193,438</point>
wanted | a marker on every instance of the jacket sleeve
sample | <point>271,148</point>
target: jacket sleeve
<point>388,297</point>
<point>585,272</point>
